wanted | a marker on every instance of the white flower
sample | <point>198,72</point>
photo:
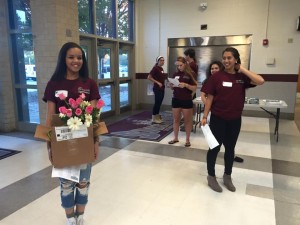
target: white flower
<point>74,123</point>
<point>100,112</point>
<point>88,120</point>
<point>61,115</point>
<point>84,104</point>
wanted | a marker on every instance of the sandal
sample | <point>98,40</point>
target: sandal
<point>172,142</point>
<point>187,144</point>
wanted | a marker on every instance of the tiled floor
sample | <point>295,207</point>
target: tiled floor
<point>149,183</point>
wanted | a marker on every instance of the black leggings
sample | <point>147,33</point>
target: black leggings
<point>226,132</point>
<point>158,98</point>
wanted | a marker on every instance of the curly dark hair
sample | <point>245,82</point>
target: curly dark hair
<point>208,69</point>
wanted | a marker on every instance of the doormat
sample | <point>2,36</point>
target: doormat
<point>4,153</point>
<point>139,126</point>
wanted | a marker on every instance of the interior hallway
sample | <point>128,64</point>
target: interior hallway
<point>149,183</point>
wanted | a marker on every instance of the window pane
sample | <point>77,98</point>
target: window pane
<point>106,18</point>
<point>24,70</point>
<point>130,20</point>
<point>30,69</point>
<point>104,63</point>
<point>20,14</point>
<point>123,63</point>
<point>124,97</point>
<point>27,101</point>
<point>123,20</point>
<point>106,96</point>
<point>85,49</point>
<point>84,16</point>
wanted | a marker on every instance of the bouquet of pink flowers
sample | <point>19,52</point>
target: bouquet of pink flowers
<point>79,111</point>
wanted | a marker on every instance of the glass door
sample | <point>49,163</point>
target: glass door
<point>125,76</point>
<point>112,67</point>
<point>107,78</point>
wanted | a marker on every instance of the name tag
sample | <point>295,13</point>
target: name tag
<point>227,84</point>
<point>58,92</point>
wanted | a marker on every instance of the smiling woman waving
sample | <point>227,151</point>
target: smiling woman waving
<point>225,99</point>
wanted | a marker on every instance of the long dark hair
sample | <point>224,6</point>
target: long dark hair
<point>208,70</point>
<point>234,52</point>
<point>61,66</point>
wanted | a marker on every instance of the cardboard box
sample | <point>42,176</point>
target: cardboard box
<point>70,148</point>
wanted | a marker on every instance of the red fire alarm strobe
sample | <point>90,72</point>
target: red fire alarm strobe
<point>265,42</point>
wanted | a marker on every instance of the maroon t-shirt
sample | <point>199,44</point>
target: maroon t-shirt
<point>229,93</point>
<point>194,67</point>
<point>157,73</point>
<point>183,93</point>
<point>74,89</point>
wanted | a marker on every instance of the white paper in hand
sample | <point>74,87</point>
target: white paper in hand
<point>209,137</point>
<point>174,81</point>
<point>70,173</point>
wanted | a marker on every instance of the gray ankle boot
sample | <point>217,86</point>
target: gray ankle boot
<point>228,182</point>
<point>213,184</point>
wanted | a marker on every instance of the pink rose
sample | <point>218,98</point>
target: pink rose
<point>82,96</point>
<point>69,112</point>
<point>78,112</point>
<point>62,96</point>
<point>75,105</point>
<point>100,104</point>
<point>62,110</point>
<point>89,109</point>
<point>78,101</point>
<point>71,101</point>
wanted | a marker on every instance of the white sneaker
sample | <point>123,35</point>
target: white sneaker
<point>80,220</point>
<point>71,221</point>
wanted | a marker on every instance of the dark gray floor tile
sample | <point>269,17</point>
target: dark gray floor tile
<point>168,150</point>
<point>286,168</point>
<point>286,213</point>
<point>259,191</point>
<point>115,142</point>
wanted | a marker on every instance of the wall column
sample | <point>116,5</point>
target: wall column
<point>54,22</point>
<point>7,106</point>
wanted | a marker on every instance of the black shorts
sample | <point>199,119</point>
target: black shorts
<point>184,104</point>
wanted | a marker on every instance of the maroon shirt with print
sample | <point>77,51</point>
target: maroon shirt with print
<point>74,89</point>
<point>157,73</point>
<point>183,93</point>
<point>229,93</point>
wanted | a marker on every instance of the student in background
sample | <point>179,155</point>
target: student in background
<point>214,67</point>
<point>190,57</point>
<point>156,75</point>
<point>225,99</point>
<point>72,76</point>
<point>182,102</point>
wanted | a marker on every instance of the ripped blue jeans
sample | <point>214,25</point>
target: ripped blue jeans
<point>70,192</point>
